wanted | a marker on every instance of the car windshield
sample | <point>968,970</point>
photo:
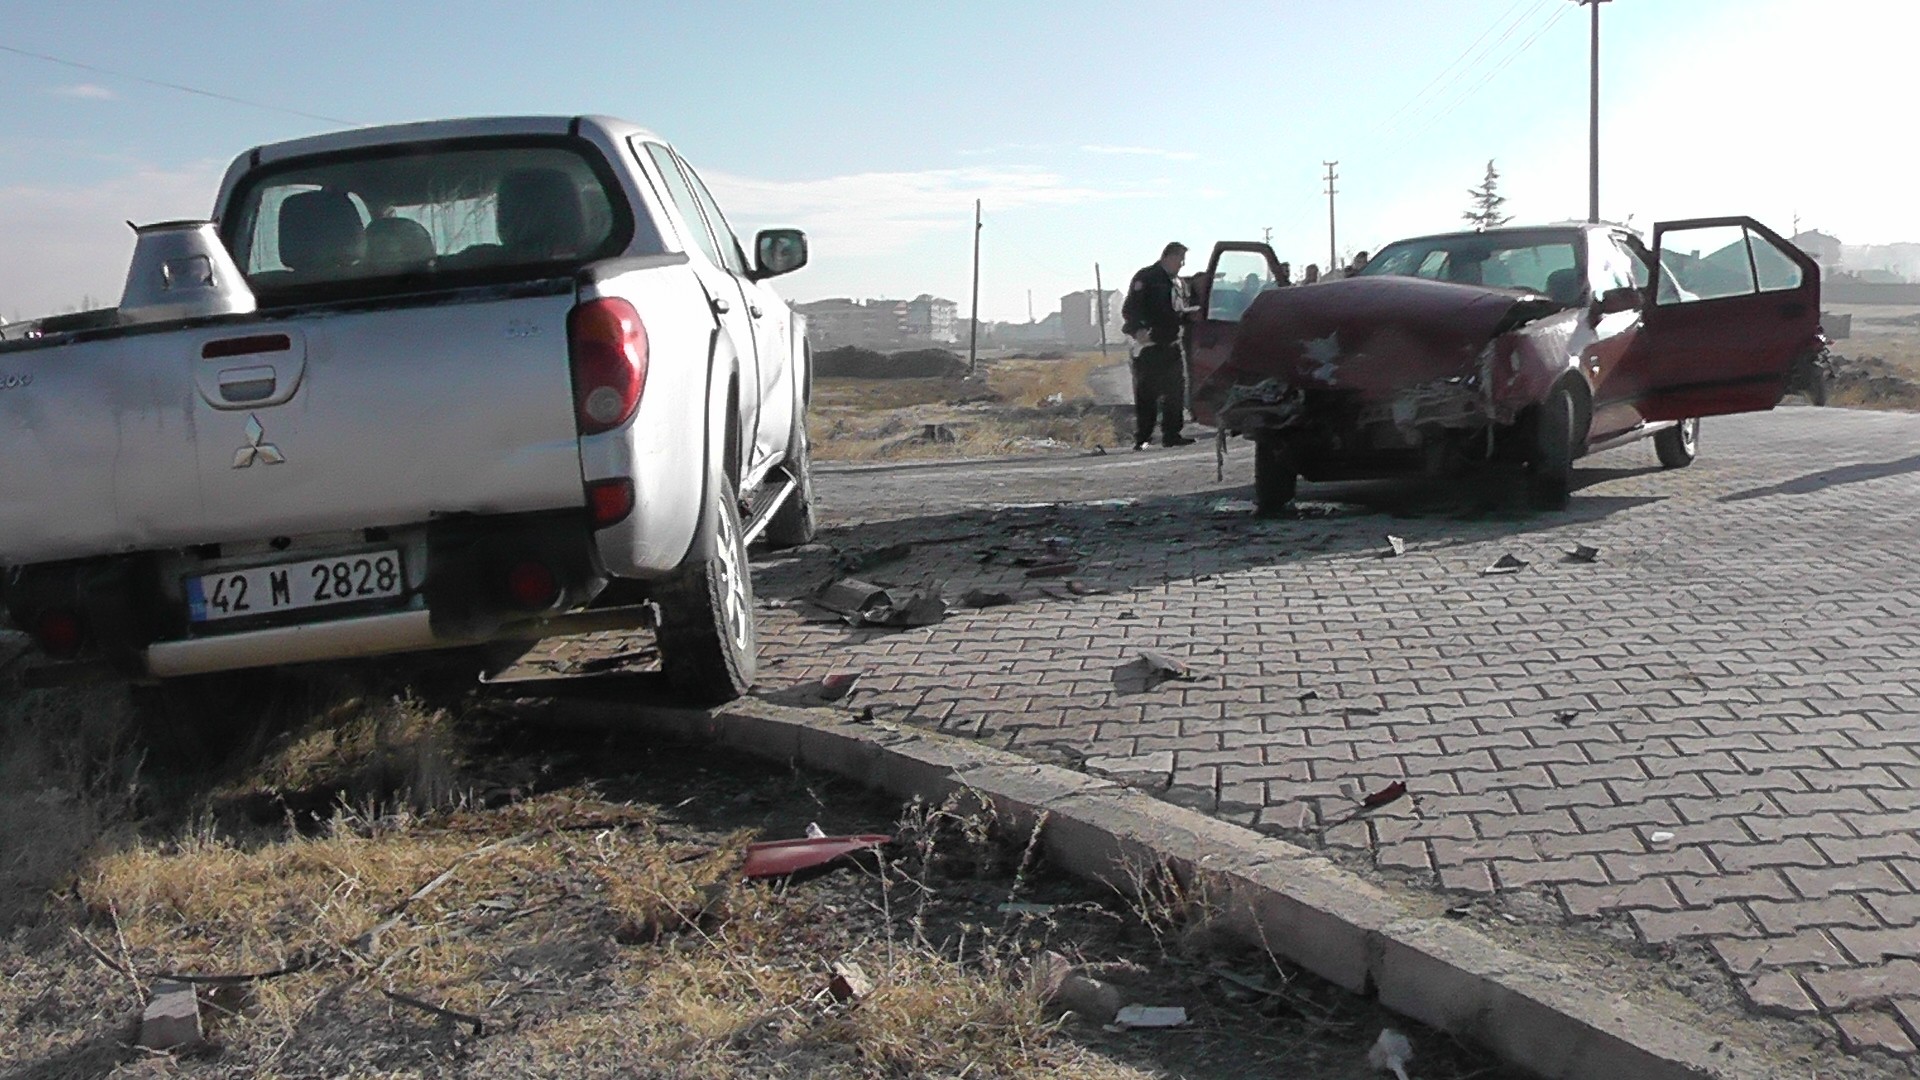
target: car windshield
<point>1542,263</point>
<point>380,221</point>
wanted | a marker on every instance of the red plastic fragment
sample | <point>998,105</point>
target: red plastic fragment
<point>778,858</point>
<point>1385,795</point>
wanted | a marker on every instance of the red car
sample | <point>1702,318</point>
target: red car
<point>1529,345</point>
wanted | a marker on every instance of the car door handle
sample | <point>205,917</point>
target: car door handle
<point>754,309</point>
<point>720,306</point>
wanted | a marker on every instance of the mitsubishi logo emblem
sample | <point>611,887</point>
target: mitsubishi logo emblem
<point>257,447</point>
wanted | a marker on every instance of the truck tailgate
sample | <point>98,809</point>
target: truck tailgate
<point>393,416</point>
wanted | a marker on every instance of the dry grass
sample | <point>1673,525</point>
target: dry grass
<point>589,938</point>
<point>1015,407</point>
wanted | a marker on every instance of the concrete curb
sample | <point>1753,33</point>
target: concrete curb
<point>1271,894</point>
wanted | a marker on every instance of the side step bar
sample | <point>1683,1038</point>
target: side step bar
<point>778,487</point>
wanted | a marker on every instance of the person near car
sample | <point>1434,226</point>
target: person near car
<point>1358,264</point>
<point>1313,274</point>
<point>1155,310</point>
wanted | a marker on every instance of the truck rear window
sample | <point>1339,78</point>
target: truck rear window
<point>395,220</point>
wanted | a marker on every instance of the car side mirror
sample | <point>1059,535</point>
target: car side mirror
<point>1614,301</point>
<point>779,251</point>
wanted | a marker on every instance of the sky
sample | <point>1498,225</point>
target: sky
<point>1091,132</point>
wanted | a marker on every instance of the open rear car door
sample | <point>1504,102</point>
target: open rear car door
<point>1238,271</point>
<point>1733,307</point>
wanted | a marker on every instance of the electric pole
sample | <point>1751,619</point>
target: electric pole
<point>1266,236</point>
<point>1333,257</point>
<point>973,337</point>
<point>1593,119</point>
<point>1100,306</point>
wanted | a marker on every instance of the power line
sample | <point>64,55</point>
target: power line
<point>1503,65</point>
<point>1444,72</point>
<point>1475,59</point>
<point>175,86</point>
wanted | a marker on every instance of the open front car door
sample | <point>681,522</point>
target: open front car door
<point>1237,272</point>
<point>1733,307</point>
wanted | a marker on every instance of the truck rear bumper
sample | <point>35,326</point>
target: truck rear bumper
<point>371,635</point>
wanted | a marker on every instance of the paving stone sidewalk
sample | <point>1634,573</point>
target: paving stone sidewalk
<point>1711,731</point>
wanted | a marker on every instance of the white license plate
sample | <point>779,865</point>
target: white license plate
<point>265,590</point>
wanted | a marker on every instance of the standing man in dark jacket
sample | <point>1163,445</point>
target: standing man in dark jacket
<point>1152,314</point>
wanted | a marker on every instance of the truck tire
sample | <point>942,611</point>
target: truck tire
<point>1275,475</point>
<point>709,647</point>
<point>1550,470</point>
<point>794,523</point>
<point>1678,445</point>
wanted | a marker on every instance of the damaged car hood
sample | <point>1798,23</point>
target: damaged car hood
<point>1371,335</point>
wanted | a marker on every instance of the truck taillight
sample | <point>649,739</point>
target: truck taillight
<point>607,344</point>
<point>609,501</point>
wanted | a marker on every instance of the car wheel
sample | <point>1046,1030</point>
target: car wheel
<point>1275,476</point>
<point>1550,473</point>
<point>1679,444</point>
<point>709,647</point>
<point>794,523</point>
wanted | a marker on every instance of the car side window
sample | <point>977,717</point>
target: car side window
<point>1714,261</point>
<point>733,258</point>
<point>683,200</point>
<point>1609,267</point>
<point>1637,262</point>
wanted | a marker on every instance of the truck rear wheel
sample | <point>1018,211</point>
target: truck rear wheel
<point>709,647</point>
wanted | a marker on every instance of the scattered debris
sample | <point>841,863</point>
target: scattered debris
<point>478,1024</point>
<point>1390,1053</point>
<point>1053,569</point>
<point>849,982</point>
<point>172,1017</point>
<point>1385,795</point>
<point>855,561</point>
<point>1358,710</point>
<point>1057,982</point>
<point>838,685</point>
<point>849,596</point>
<point>780,858</point>
<point>860,603</point>
<point>815,832</point>
<point>1081,588</point>
<point>986,598</point>
<point>1127,616</point>
<point>1148,670</point>
<point>1311,695</point>
<point>600,664</point>
<point>1226,507</point>
<point>1018,907</point>
<point>1661,837</point>
<point>1150,1016</point>
<point>1583,553</point>
<point>1508,564</point>
<point>1396,547</point>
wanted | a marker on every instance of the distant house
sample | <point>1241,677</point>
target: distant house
<point>1080,316</point>
<point>932,318</point>
<point>878,323</point>
<point>1821,248</point>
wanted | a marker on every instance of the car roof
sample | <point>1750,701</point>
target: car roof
<point>1523,230</point>
<point>437,130</point>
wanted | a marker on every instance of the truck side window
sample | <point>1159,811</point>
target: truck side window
<point>735,259</point>
<point>684,201</point>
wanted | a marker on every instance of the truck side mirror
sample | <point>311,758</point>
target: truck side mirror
<point>778,251</point>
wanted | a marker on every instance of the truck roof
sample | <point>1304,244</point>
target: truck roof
<point>435,130</point>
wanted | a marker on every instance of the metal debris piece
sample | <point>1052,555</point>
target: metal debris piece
<point>1081,588</point>
<point>815,832</point>
<point>1359,710</point>
<point>1226,507</point>
<point>986,598</point>
<point>872,557</point>
<point>1390,793</point>
<point>1148,670</point>
<point>1391,1053</point>
<point>1395,547</point>
<point>1017,907</point>
<point>1150,1016</point>
<point>849,596</point>
<point>1126,616</point>
<point>906,608</point>
<point>1565,716</point>
<point>1311,695</point>
<point>1583,553</point>
<point>1053,570</point>
<point>1508,564</point>
<point>779,858</point>
<point>848,982</point>
<point>1661,837</point>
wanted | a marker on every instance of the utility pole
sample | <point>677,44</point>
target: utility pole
<point>1266,236</point>
<point>1029,305</point>
<point>1100,308</point>
<point>1333,258</point>
<point>973,337</point>
<point>1593,119</point>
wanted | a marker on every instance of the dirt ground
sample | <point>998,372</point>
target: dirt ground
<point>1877,366</point>
<point>1015,406</point>
<point>386,880</point>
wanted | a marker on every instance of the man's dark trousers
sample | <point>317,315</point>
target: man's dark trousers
<point>1159,388</point>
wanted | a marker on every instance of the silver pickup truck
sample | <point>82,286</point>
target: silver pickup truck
<point>503,379</point>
